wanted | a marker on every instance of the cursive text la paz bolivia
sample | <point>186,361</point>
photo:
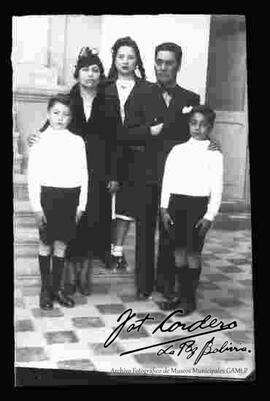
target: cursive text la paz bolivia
<point>186,344</point>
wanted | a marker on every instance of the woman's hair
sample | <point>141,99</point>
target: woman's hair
<point>87,57</point>
<point>126,41</point>
<point>206,111</point>
<point>172,47</point>
<point>58,98</point>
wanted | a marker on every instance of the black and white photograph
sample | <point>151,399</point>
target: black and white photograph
<point>132,208</point>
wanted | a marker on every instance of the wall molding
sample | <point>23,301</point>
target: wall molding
<point>37,95</point>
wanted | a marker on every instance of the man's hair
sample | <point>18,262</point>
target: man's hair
<point>206,111</point>
<point>172,47</point>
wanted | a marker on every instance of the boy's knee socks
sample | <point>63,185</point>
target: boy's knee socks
<point>57,271</point>
<point>44,267</point>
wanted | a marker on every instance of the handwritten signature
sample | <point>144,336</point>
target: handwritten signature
<point>205,326</point>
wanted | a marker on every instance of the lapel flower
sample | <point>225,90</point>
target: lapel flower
<point>186,109</point>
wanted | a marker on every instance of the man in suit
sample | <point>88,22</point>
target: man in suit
<point>173,100</point>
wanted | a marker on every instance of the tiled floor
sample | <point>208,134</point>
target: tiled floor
<point>74,338</point>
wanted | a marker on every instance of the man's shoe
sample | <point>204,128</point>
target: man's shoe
<point>45,301</point>
<point>64,300</point>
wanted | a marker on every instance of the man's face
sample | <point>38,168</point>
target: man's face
<point>166,67</point>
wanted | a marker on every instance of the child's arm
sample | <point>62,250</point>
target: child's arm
<point>216,188</point>
<point>34,183</point>
<point>167,187</point>
<point>84,178</point>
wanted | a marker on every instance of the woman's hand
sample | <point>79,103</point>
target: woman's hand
<point>33,138</point>
<point>40,218</point>
<point>79,214</point>
<point>156,129</point>
<point>113,186</point>
<point>166,219</point>
<point>204,226</point>
<point>213,145</point>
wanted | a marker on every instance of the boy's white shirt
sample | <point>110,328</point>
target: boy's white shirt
<point>58,159</point>
<point>191,169</point>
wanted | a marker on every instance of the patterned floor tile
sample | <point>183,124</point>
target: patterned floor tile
<point>93,335</point>
<point>158,317</point>
<point>217,277</point>
<point>29,339</point>
<point>99,349</point>
<point>87,322</point>
<point>39,313</point>
<point>24,325</point>
<point>227,302</point>
<point>61,337</point>
<point>111,309</point>
<point>52,324</point>
<point>152,360</point>
<point>134,334</point>
<point>207,285</point>
<point>215,312</point>
<point>79,299</point>
<point>230,269</point>
<point>247,282</point>
<point>28,354</point>
<point>239,261</point>
<point>240,336</point>
<point>76,364</point>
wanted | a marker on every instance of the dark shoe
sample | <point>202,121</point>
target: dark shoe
<point>187,305</point>
<point>170,304</point>
<point>118,263</point>
<point>64,300</point>
<point>143,296</point>
<point>45,301</point>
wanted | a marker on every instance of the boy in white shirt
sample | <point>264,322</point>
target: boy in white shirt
<point>58,185</point>
<point>190,199</point>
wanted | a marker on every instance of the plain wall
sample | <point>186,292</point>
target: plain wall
<point>189,31</point>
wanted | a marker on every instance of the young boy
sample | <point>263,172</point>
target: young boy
<point>190,199</point>
<point>57,182</point>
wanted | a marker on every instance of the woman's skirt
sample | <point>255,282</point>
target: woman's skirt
<point>186,211</point>
<point>59,206</point>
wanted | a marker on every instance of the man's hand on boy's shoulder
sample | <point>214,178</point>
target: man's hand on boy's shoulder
<point>214,145</point>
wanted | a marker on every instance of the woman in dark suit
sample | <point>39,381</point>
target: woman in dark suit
<point>129,118</point>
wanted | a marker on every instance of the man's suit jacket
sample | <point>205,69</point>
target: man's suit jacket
<point>139,156</point>
<point>175,128</point>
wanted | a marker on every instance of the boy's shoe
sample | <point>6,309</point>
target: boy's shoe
<point>119,263</point>
<point>45,301</point>
<point>143,296</point>
<point>63,299</point>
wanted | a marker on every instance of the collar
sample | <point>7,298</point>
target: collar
<point>202,144</point>
<point>170,90</point>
